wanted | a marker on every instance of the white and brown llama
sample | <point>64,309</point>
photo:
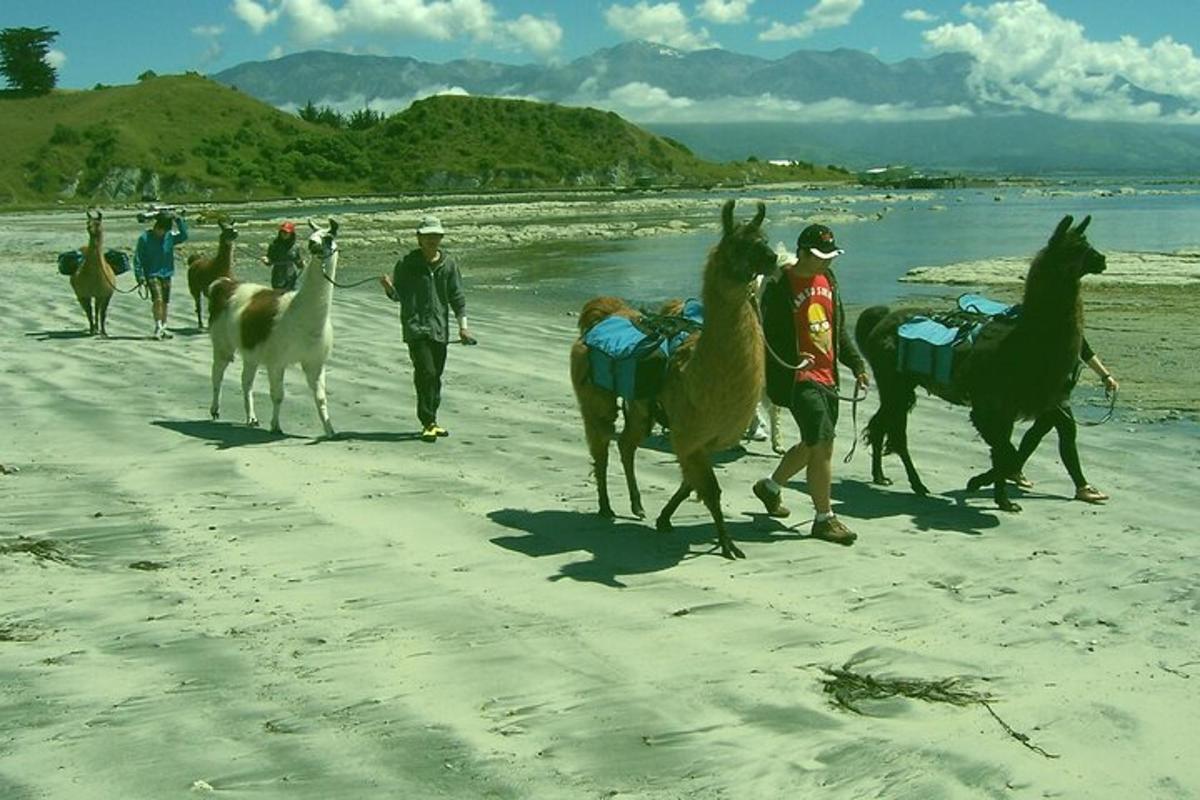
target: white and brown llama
<point>94,281</point>
<point>712,385</point>
<point>275,328</point>
<point>203,270</point>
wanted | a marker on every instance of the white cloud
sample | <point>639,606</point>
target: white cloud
<point>256,16</point>
<point>384,105</point>
<point>663,23</point>
<point>725,12</point>
<point>825,14</point>
<point>56,58</point>
<point>312,21</point>
<point>918,15</point>
<point>1026,55</point>
<point>645,103</point>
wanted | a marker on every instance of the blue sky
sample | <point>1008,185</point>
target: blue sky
<point>1061,56</point>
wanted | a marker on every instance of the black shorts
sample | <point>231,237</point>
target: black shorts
<point>160,289</point>
<point>814,406</point>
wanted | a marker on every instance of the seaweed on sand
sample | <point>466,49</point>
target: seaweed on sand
<point>40,549</point>
<point>849,688</point>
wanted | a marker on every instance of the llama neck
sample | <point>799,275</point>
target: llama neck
<point>314,290</point>
<point>731,331</point>
<point>95,246</point>
<point>224,261</point>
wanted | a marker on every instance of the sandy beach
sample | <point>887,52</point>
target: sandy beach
<point>195,608</point>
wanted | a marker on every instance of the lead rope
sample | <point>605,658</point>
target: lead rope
<point>1112,405</point>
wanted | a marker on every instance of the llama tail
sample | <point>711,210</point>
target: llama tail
<point>599,308</point>
<point>867,321</point>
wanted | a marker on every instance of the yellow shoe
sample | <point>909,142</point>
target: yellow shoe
<point>429,434</point>
<point>438,430</point>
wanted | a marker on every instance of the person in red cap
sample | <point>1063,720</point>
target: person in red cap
<point>284,257</point>
<point>806,334</point>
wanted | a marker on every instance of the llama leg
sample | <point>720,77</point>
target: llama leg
<point>698,472</point>
<point>637,428</point>
<point>221,362</point>
<point>1029,442</point>
<point>315,373</point>
<point>249,370</point>
<point>874,437</point>
<point>599,411</point>
<point>996,430</point>
<point>663,523</point>
<point>275,376</point>
<point>86,302</point>
<point>898,439</point>
<point>199,319</point>
<point>102,313</point>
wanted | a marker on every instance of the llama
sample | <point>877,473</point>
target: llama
<point>276,328</point>
<point>203,270</point>
<point>712,384</point>
<point>94,281</point>
<point>1014,370</point>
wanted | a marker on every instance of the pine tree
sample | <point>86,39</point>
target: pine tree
<point>23,59</point>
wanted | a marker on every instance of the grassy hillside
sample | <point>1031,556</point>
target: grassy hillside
<point>185,137</point>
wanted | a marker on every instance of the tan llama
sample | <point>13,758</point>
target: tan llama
<point>95,280</point>
<point>712,385</point>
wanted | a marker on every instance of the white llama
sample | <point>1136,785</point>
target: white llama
<point>276,328</point>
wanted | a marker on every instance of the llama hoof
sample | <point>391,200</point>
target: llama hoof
<point>212,412</point>
<point>639,512</point>
<point>978,482</point>
<point>252,423</point>
<point>663,525</point>
<point>881,481</point>
<point>278,431</point>
<point>607,512</point>
<point>1009,506</point>
<point>731,551</point>
<point>921,489</point>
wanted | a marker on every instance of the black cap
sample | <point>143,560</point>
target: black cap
<point>818,240</point>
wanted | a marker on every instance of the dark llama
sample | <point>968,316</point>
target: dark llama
<point>1016,369</point>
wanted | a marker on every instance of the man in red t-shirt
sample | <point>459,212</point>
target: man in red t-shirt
<point>806,337</point>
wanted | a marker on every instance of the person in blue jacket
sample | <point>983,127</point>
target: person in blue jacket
<point>154,263</point>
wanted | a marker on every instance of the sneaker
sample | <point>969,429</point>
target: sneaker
<point>160,334</point>
<point>833,530</point>
<point>1021,481</point>
<point>429,434</point>
<point>438,430</point>
<point>772,501</point>
<point>166,334</point>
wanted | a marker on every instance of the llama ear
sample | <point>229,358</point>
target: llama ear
<point>727,217</point>
<point>1062,228</point>
<point>1083,225</point>
<point>758,217</point>
<point>312,224</point>
<point>333,227</point>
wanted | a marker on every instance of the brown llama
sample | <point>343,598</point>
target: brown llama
<point>203,270</point>
<point>94,281</point>
<point>711,386</point>
<point>1016,369</point>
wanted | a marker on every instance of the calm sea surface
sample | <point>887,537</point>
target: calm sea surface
<point>952,226</point>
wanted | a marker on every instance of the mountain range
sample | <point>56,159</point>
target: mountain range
<point>842,106</point>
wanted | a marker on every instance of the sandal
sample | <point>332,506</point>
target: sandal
<point>1021,481</point>
<point>1090,494</point>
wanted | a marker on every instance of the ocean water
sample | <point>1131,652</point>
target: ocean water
<point>951,226</point>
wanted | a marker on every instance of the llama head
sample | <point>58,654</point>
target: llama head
<point>228,232</point>
<point>323,241</point>
<point>94,219</point>
<point>743,252</point>
<point>1068,255</point>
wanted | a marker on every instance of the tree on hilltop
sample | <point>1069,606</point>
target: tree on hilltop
<point>23,61</point>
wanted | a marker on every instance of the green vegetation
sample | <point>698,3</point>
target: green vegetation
<point>23,61</point>
<point>177,138</point>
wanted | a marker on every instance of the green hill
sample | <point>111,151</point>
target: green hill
<point>176,138</point>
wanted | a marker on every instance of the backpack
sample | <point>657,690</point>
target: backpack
<point>70,261</point>
<point>630,359</point>
<point>931,346</point>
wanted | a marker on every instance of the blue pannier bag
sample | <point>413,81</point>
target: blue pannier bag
<point>631,361</point>
<point>926,347</point>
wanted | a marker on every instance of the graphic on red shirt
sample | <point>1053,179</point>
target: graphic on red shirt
<point>812,309</point>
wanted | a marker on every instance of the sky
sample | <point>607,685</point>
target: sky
<point>1045,49</point>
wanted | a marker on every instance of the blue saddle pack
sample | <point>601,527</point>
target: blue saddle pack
<point>70,261</point>
<point>927,346</point>
<point>630,360</point>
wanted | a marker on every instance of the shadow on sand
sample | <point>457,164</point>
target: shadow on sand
<point>49,336</point>
<point>222,434</point>
<point>378,436</point>
<point>947,512</point>
<point>624,546</point>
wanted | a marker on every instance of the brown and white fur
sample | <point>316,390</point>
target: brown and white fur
<point>275,328</point>
<point>203,270</point>
<point>95,280</point>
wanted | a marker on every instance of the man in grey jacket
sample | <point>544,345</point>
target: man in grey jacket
<point>428,286</point>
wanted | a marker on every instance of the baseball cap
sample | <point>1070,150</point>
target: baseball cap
<point>430,224</point>
<point>818,240</point>
<point>287,227</point>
